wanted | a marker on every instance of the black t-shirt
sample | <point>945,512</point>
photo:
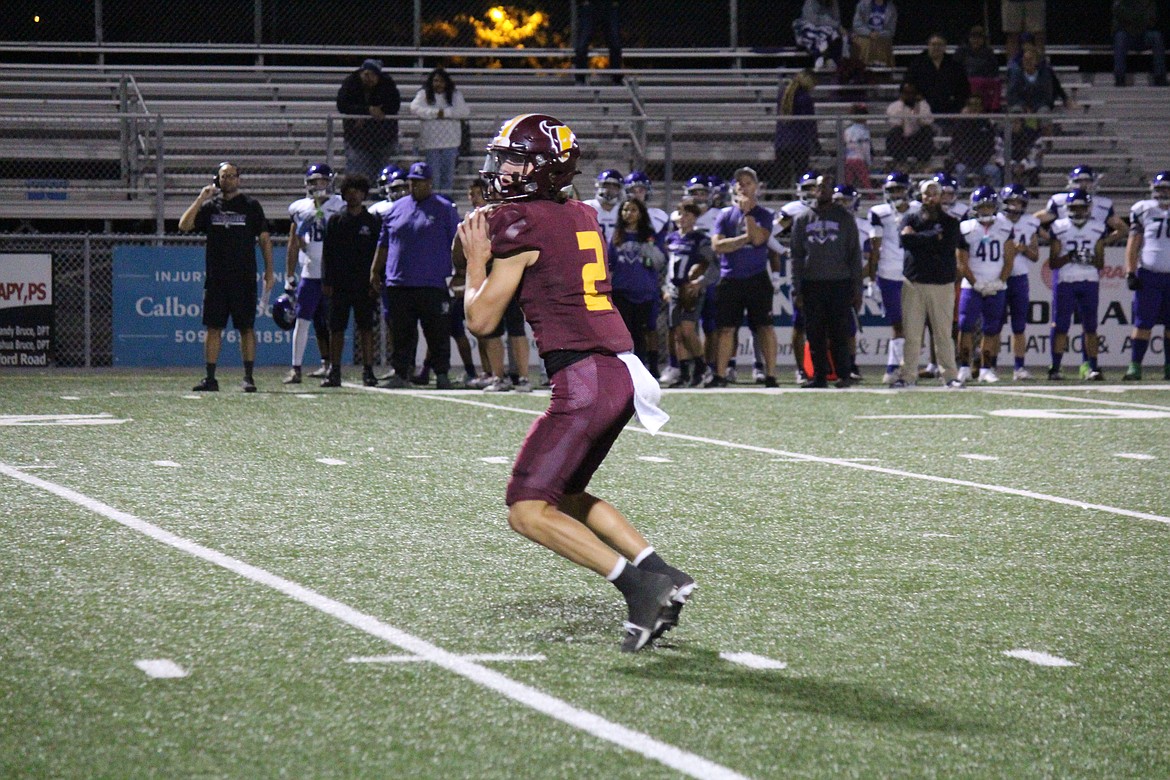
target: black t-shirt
<point>350,241</point>
<point>930,251</point>
<point>232,227</point>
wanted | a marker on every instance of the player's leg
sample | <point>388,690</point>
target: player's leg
<point>1087,304</point>
<point>1062,309</point>
<point>1018,302</point>
<point>970,309</point>
<point>891,292</point>
<point>993,314</point>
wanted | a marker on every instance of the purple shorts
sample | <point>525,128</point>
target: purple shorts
<point>1079,296</point>
<point>973,307</point>
<point>1151,304</point>
<point>308,298</point>
<point>891,299</point>
<point>592,400</point>
<point>1018,301</point>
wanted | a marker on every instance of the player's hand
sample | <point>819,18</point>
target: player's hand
<point>290,284</point>
<point>473,235</point>
<point>1133,281</point>
<point>868,289</point>
<point>776,280</point>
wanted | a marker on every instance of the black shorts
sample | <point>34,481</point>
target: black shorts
<point>356,298</point>
<point>735,296</point>
<point>512,321</point>
<point>234,297</point>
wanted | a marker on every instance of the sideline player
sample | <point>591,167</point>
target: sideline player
<point>1025,230</point>
<point>1147,266</point>
<point>554,246</point>
<point>985,256</point>
<point>886,258</point>
<point>1076,256</point>
<point>306,236</point>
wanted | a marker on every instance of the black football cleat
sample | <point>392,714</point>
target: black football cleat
<point>646,611</point>
<point>668,619</point>
<point>208,385</point>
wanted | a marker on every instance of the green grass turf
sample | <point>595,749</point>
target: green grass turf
<point>892,599</point>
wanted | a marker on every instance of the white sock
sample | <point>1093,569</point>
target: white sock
<point>642,555</point>
<point>897,347</point>
<point>618,568</point>
<point>300,341</point>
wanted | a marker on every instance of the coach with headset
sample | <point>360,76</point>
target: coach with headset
<point>233,222</point>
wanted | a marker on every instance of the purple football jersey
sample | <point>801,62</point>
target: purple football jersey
<point>565,294</point>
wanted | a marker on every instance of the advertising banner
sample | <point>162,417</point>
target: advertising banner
<point>26,309</point>
<point>158,311</point>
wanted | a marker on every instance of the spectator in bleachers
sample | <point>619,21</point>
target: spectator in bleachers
<point>1030,88</point>
<point>370,97</point>
<point>1135,26</point>
<point>795,140</point>
<point>910,140</point>
<point>588,14</point>
<point>982,68</point>
<point>972,148</point>
<point>872,36</point>
<point>939,77</point>
<point>1020,18</point>
<point>440,106</point>
<point>858,149</point>
<point>818,31</point>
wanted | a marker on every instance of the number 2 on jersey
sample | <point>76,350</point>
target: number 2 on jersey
<point>594,272</point>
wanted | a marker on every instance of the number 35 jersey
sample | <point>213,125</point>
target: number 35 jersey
<point>565,294</point>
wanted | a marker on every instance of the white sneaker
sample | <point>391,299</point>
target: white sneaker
<point>1021,374</point>
<point>730,376</point>
<point>955,384</point>
<point>964,374</point>
<point>890,377</point>
<point>758,376</point>
<point>988,375</point>
<point>670,376</point>
<point>500,384</point>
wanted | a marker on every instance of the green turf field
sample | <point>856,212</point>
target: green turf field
<point>373,616</point>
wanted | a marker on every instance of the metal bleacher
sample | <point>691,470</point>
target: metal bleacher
<point>139,141</point>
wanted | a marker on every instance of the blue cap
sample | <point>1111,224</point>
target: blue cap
<point>372,64</point>
<point>419,170</point>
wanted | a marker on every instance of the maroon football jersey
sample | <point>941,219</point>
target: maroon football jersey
<point>565,294</point>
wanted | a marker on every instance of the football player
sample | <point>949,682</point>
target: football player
<point>1147,267</point>
<point>1024,235</point>
<point>950,196</point>
<point>690,267</point>
<point>1083,178</point>
<point>550,252</point>
<point>306,236</point>
<point>847,196</point>
<point>392,185</point>
<point>985,257</point>
<point>607,201</point>
<point>886,259</point>
<point>1076,256</point>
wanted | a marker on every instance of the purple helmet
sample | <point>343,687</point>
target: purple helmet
<point>284,312</point>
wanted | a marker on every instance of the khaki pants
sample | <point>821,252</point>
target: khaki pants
<point>935,302</point>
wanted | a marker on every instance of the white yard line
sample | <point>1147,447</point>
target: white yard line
<point>1079,399</point>
<point>753,661</point>
<point>161,668</point>
<point>845,463</point>
<point>409,659</point>
<point>643,744</point>
<point>1038,658</point>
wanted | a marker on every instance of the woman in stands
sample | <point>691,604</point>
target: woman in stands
<point>440,106</point>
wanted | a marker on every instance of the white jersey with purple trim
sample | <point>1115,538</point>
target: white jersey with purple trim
<point>1102,208</point>
<point>1152,223</point>
<point>885,222</point>
<point>1082,241</point>
<point>380,208</point>
<point>786,215</point>
<point>1024,228</point>
<point>705,221</point>
<point>607,219</point>
<point>310,220</point>
<point>659,221</point>
<point>985,248</point>
<point>960,210</point>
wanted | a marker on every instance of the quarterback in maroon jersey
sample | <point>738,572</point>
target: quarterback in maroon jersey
<point>550,250</point>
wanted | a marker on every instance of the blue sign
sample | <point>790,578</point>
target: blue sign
<point>158,311</point>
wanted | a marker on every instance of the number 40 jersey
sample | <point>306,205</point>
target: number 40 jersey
<point>985,247</point>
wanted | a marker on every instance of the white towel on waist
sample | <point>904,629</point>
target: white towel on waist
<point>647,393</point>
